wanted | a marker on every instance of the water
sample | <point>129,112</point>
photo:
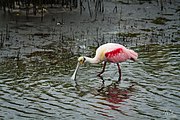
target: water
<point>39,87</point>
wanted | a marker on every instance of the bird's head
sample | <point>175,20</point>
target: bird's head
<point>81,59</point>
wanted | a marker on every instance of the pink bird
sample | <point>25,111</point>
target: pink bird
<point>109,52</point>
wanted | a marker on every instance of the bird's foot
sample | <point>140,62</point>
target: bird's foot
<point>99,75</point>
<point>119,80</point>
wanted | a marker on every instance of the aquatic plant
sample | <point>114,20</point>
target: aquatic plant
<point>128,34</point>
<point>160,20</point>
<point>147,30</point>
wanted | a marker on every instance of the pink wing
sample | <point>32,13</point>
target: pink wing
<point>120,55</point>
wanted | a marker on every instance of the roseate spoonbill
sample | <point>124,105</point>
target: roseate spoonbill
<point>109,52</point>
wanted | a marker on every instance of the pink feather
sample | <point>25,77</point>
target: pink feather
<point>117,53</point>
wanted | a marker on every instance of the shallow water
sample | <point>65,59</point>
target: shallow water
<point>39,87</point>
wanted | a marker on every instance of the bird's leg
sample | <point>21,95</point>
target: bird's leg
<point>119,69</point>
<point>102,86</point>
<point>104,65</point>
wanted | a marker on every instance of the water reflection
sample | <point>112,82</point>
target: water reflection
<point>114,95</point>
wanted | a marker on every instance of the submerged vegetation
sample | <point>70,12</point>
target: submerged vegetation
<point>147,30</point>
<point>128,34</point>
<point>160,20</point>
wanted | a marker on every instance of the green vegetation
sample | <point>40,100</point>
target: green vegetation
<point>178,32</point>
<point>160,20</point>
<point>128,34</point>
<point>176,39</point>
<point>122,2</point>
<point>147,30</point>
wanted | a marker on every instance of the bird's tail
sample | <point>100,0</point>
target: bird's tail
<point>133,55</point>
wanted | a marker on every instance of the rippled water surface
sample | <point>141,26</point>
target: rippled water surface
<point>40,87</point>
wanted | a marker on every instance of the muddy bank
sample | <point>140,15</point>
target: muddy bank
<point>130,24</point>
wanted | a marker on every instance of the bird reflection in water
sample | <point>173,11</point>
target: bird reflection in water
<point>114,95</point>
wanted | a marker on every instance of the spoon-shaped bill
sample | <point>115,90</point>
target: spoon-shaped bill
<point>75,72</point>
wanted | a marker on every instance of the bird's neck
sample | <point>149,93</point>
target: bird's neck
<point>92,60</point>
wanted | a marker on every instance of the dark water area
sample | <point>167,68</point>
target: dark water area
<point>37,59</point>
<point>149,90</point>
